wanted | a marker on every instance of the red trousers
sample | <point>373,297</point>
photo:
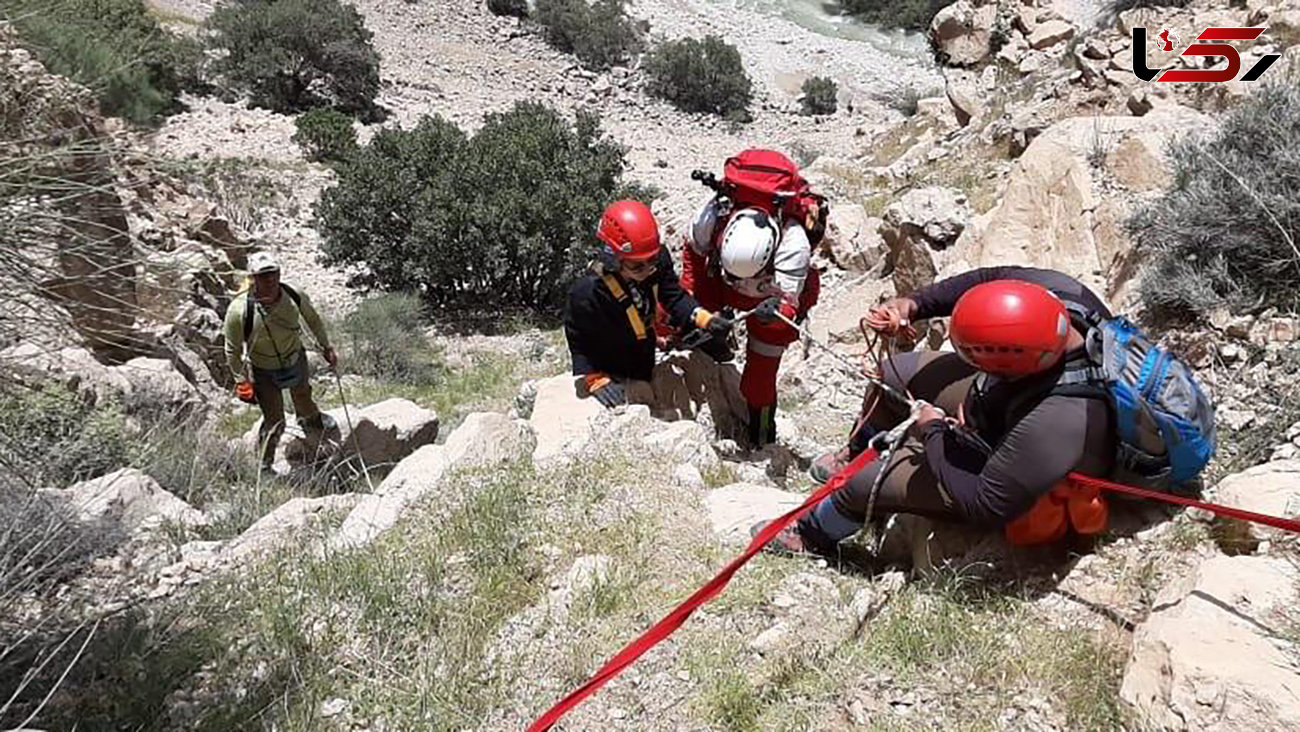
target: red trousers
<point>767,341</point>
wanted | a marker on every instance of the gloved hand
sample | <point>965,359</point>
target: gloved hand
<point>717,325</point>
<point>611,394</point>
<point>244,391</point>
<point>606,391</point>
<point>332,358</point>
<point>767,310</point>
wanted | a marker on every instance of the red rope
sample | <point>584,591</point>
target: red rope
<point>1237,513</point>
<point>674,620</point>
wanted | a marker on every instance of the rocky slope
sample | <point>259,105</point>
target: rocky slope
<point>497,562</point>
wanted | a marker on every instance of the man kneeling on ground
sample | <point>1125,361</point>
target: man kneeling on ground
<point>1008,439</point>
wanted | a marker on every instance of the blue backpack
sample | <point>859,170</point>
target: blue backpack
<point>1164,421</point>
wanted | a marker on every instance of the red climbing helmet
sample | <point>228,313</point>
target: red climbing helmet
<point>629,230</point>
<point>1009,328</point>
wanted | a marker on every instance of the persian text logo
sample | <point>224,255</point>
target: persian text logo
<point>1167,40</point>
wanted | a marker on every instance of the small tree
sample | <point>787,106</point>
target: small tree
<point>384,339</point>
<point>1226,232</point>
<point>516,8</point>
<point>819,96</point>
<point>292,55</point>
<point>700,76</point>
<point>600,34</point>
<point>114,47</point>
<point>325,135</point>
<point>504,217</point>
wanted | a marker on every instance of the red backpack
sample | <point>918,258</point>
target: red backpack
<point>768,180</point>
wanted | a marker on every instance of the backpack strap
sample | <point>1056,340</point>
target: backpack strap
<point>620,294</point>
<point>248,309</point>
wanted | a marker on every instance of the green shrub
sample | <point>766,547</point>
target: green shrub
<point>819,95</point>
<point>502,219</point>
<point>325,134</point>
<point>293,55</point>
<point>700,76</point>
<point>1225,232</point>
<point>114,47</point>
<point>384,339</point>
<point>906,14</point>
<point>50,438</point>
<point>516,8</point>
<point>600,34</point>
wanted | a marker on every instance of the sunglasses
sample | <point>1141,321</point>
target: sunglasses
<point>639,267</point>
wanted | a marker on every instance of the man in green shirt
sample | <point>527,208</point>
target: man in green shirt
<point>263,335</point>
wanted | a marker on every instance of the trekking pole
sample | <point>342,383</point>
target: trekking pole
<point>352,431</point>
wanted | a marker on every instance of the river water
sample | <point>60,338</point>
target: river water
<point>823,17</point>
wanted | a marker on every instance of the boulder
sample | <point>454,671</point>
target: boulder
<point>1272,488</point>
<point>128,498</point>
<point>922,221</point>
<point>486,439</point>
<point>684,442</point>
<point>483,440</point>
<point>561,418</point>
<point>1051,214</point>
<point>382,433</point>
<point>275,529</point>
<point>960,33</point>
<point>1050,33</point>
<point>733,509</point>
<point>966,93</point>
<point>151,385</point>
<point>853,240</point>
<point>837,318</point>
<point>1209,657</point>
<point>154,385</point>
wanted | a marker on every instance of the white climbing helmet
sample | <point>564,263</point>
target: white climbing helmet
<point>748,243</point>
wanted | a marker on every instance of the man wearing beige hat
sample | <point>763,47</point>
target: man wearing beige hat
<point>266,354</point>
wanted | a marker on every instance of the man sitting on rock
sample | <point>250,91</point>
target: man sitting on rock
<point>263,330</point>
<point>610,316</point>
<point>1004,438</point>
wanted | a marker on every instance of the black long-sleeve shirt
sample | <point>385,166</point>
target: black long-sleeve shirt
<point>1036,440</point>
<point>596,325</point>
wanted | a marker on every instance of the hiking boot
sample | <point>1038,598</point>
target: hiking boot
<point>827,465</point>
<point>791,541</point>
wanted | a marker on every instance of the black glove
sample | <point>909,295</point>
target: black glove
<point>719,326</point>
<point>767,310</point>
<point>611,394</point>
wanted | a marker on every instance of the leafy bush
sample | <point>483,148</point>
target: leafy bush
<point>385,339</point>
<point>114,47</point>
<point>819,95</point>
<point>516,8</point>
<point>50,438</point>
<point>325,134</point>
<point>906,14</point>
<point>700,76</point>
<point>293,55</point>
<point>1226,231</point>
<point>504,218</point>
<point>600,34</point>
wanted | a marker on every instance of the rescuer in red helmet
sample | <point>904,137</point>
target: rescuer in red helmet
<point>1008,432</point>
<point>610,316</point>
